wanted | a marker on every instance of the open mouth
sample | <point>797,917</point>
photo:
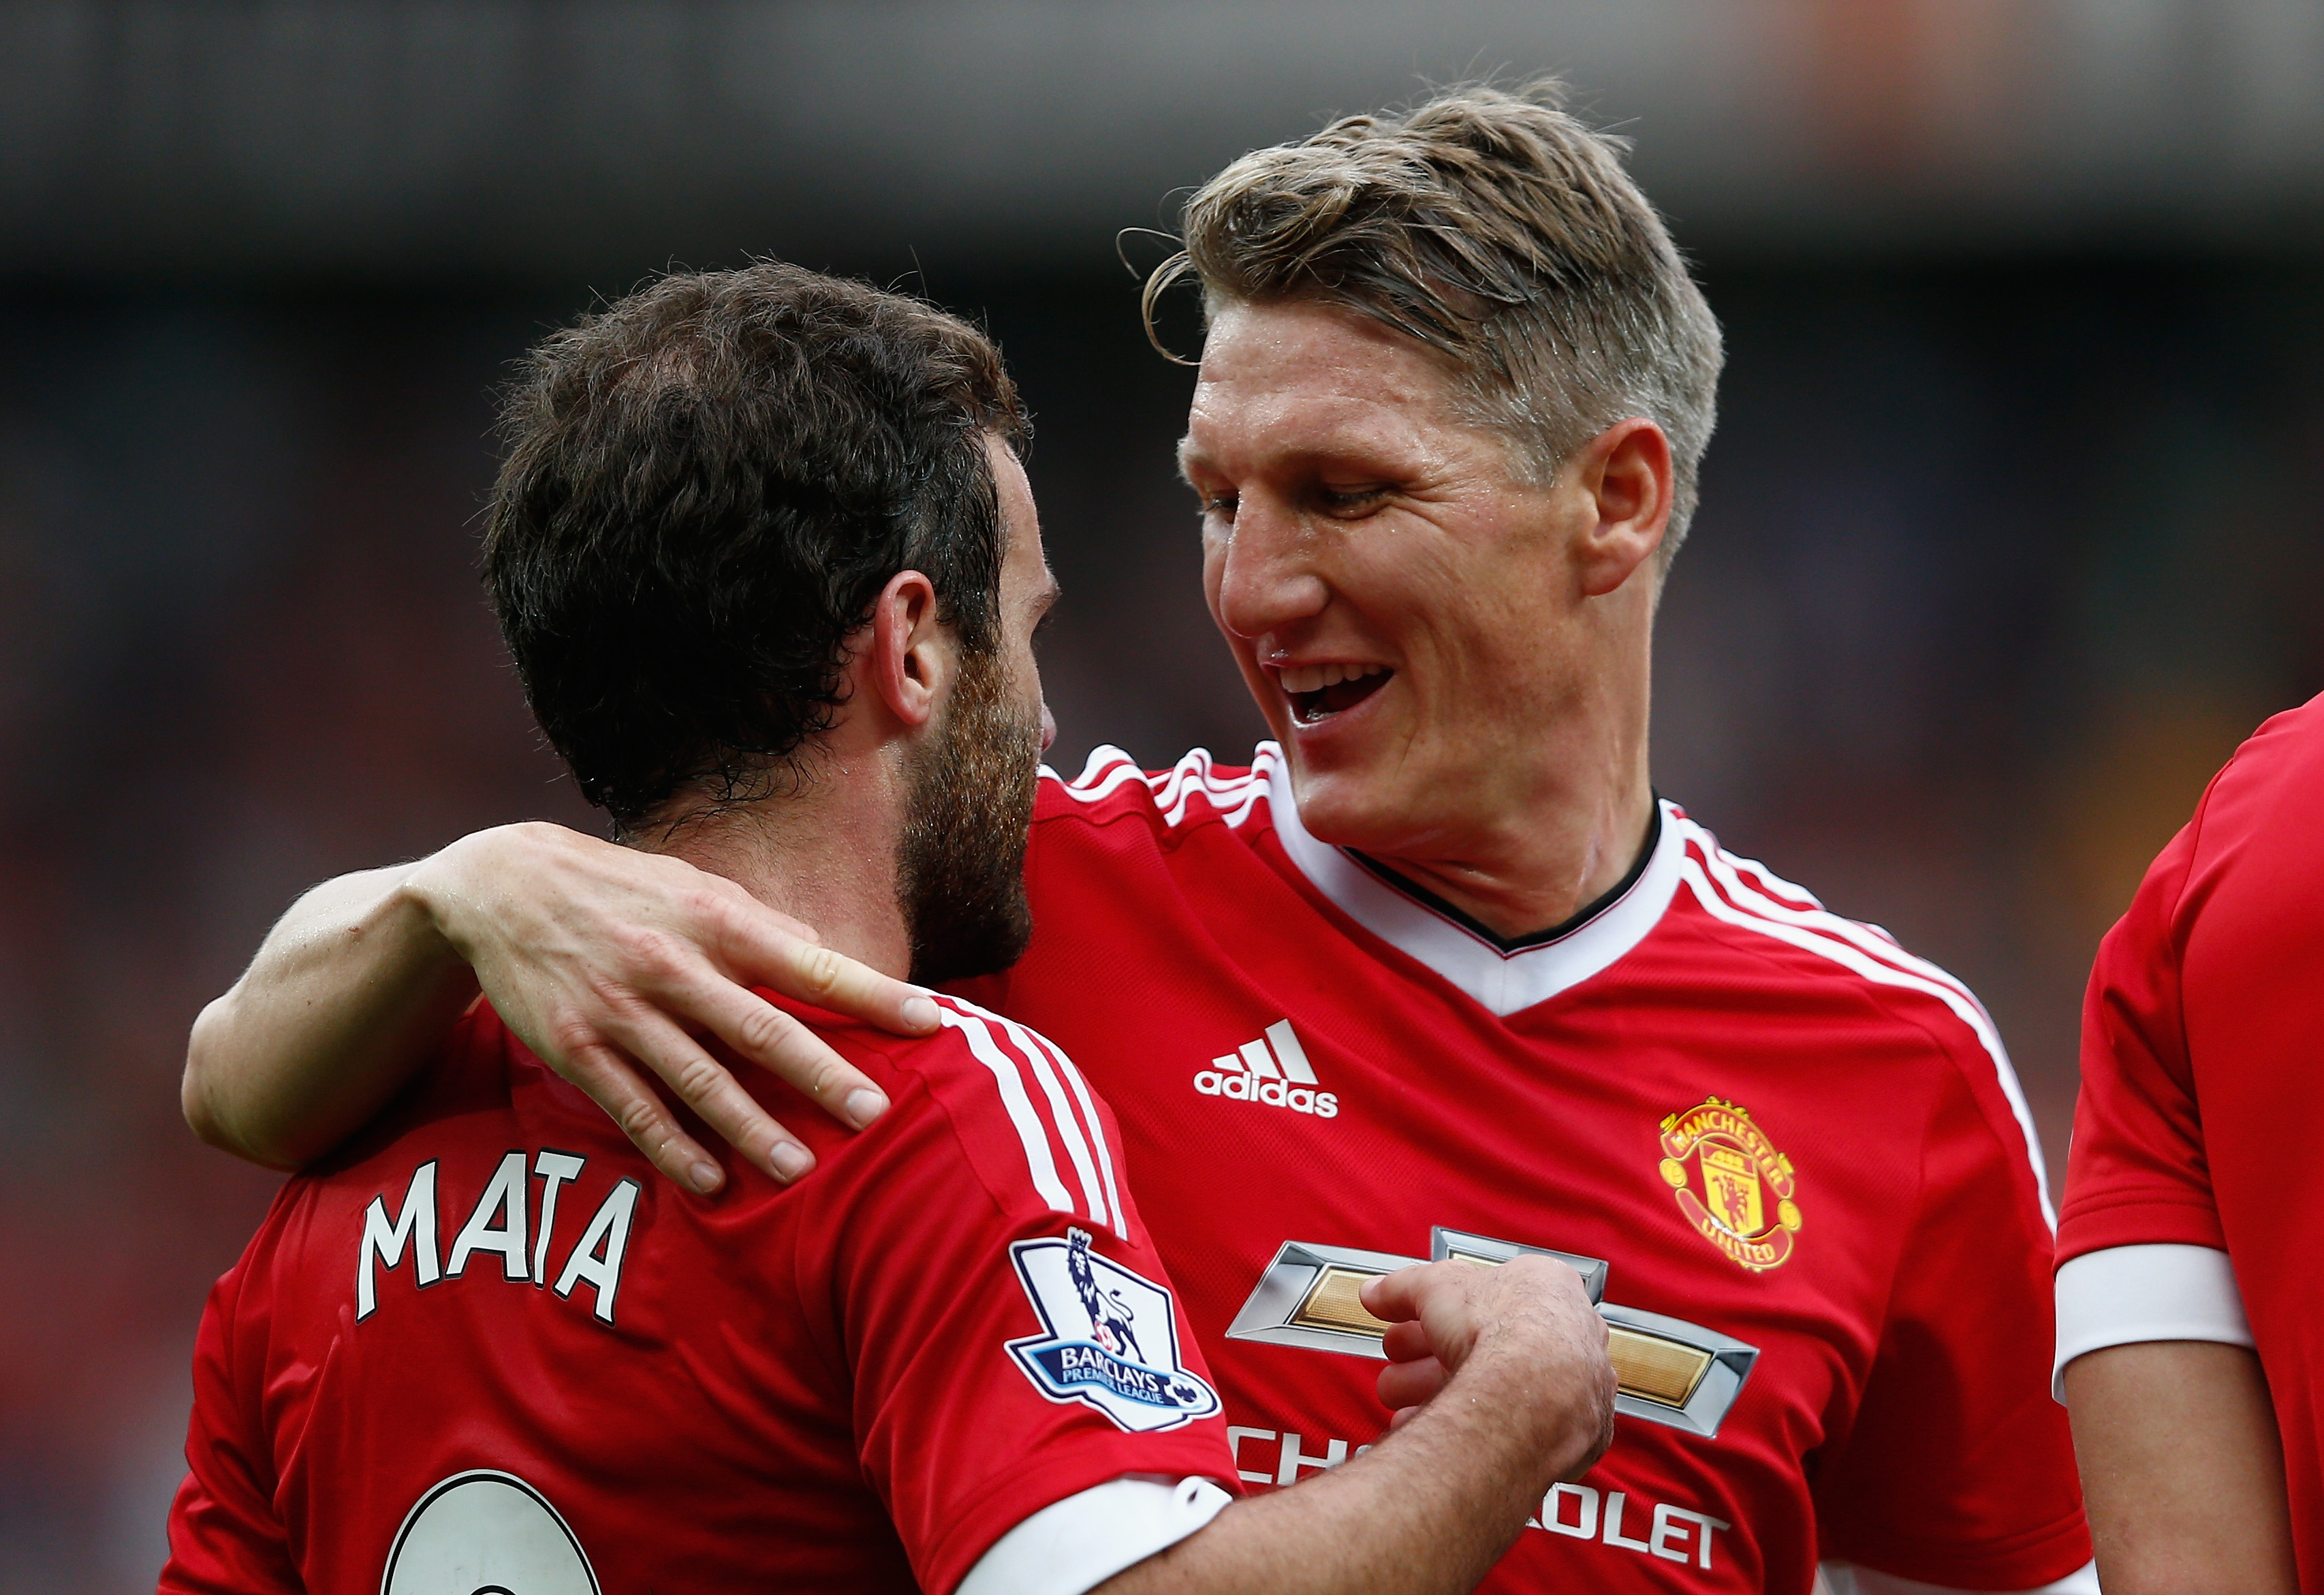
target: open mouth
<point>1318,692</point>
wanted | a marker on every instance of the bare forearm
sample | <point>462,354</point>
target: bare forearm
<point>610,963</point>
<point>2182,1470</point>
<point>1425,1512</point>
<point>348,995</point>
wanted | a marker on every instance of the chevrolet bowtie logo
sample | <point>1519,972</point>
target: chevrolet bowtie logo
<point>1668,1370</point>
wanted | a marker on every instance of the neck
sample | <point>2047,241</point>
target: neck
<point>1543,880</point>
<point>1565,825</point>
<point>826,863</point>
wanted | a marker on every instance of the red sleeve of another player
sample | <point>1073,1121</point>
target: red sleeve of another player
<point>225,1538</point>
<point>1011,1337</point>
<point>1958,1470</point>
<point>2136,1175</point>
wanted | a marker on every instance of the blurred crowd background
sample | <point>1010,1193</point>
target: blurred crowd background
<point>2010,531</point>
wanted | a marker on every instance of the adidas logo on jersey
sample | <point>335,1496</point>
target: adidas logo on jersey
<point>1274,1070</point>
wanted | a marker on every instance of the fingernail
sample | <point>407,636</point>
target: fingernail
<point>703,1177</point>
<point>864,1106</point>
<point>920,1013</point>
<point>789,1161</point>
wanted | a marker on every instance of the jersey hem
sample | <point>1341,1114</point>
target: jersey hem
<point>1071,1546</point>
<point>2061,1550</point>
<point>951,1558</point>
<point>2137,1219</point>
<point>2127,1295</point>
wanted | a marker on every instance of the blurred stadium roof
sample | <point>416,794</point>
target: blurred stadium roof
<point>527,137</point>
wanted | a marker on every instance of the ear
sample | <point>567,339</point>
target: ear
<point>1626,470</point>
<point>906,667</point>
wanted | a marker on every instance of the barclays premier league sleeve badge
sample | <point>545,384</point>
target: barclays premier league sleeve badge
<point>1108,1338</point>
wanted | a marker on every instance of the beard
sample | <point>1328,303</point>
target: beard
<point>960,864</point>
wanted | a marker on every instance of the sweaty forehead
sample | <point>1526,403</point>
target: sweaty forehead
<point>1302,379</point>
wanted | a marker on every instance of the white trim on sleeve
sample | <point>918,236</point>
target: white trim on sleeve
<point>1077,1543</point>
<point>2128,1294</point>
<point>1839,1578</point>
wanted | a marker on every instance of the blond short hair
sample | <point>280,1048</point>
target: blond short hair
<point>1498,230</point>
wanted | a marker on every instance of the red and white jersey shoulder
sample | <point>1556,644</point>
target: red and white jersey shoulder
<point>491,1338</point>
<point>2187,1215</point>
<point>1782,1132</point>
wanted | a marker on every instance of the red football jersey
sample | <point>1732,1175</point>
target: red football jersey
<point>1801,1150</point>
<point>488,1347</point>
<point>2199,1080</point>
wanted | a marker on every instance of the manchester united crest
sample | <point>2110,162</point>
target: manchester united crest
<point>1732,1184</point>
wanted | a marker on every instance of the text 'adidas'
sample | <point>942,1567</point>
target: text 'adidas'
<point>1281,1077</point>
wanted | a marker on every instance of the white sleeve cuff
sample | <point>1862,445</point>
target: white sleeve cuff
<point>2128,1294</point>
<point>1077,1543</point>
<point>1837,1578</point>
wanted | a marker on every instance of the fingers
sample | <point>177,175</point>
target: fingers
<point>1406,1342</point>
<point>613,1083</point>
<point>1394,1298</point>
<point>759,948</point>
<point>758,1031</point>
<point>621,961</point>
<point>706,1087</point>
<point>1411,1384</point>
<point>1436,1304</point>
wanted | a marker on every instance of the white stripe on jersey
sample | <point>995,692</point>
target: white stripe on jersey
<point>1097,1128</point>
<point>1006,1048</point>
<point>1877,942</point>
<point>1108,770</point>
<point>1852,947</point>
<point>1069,1128</point>
<point>970,1022</point>
<point>1769,882</point>
<point>1231,796</point>
<point>1870,938</point>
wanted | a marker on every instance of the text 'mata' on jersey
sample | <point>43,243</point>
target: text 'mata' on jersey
<point>489,1346</point>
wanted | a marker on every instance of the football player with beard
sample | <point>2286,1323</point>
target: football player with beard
<point>1435,971</point>
<point>770,570</point>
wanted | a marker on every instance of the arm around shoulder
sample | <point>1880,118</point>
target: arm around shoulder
<point>608,962</point>
<point>346,998</point>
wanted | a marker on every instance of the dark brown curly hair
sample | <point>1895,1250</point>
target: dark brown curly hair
<point>708,485</point>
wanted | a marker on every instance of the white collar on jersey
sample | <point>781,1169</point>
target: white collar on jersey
<point>1504,982</point>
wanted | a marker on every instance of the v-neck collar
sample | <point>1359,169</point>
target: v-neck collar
<point>1505,978</point>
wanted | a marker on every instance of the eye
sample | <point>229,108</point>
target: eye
<point>1349,501</point>
<point>1220,504</point>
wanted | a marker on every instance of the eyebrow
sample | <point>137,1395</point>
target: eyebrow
<point>1186,451</point>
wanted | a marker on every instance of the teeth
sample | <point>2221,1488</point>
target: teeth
<point>1299,678</point>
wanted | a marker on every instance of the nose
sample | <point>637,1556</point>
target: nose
<point>1262,571</point>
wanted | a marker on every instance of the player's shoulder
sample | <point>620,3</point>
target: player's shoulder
<point>2287,747</point>
<point>1039,1137</point>
<point>1196,791</point>
<point>1849,967</point>
<point>2253,844</point>
<point>2262,805</point>
<point>1755,914</point>
<point>463,1095</point>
